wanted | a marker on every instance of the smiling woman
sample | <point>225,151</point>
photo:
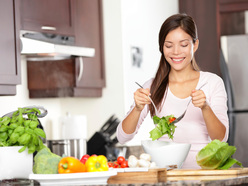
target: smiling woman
<point>177,82</point>
<point>179,47</point>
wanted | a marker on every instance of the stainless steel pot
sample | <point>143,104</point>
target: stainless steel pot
<point>69,147</point>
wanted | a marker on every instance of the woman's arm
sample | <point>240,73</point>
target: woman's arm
<point>141,99</point>
<point>216,128</point>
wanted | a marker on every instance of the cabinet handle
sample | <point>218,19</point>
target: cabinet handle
<point>48,28</point>
<point>81,69</point>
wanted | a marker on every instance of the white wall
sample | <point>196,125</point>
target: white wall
<point>142,20</point>
<point>126,23</point>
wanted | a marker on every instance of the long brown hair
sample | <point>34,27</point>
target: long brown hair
<point>160,82</point>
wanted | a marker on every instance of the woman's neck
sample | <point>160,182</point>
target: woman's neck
<point>183,75</point>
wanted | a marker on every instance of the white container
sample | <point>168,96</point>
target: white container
<point>166,154</point>
<point>74,127</point>
<point>14,164</point>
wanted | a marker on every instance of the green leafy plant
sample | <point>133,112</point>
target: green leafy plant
<point>18,130</point>
<point>165,125</point>
<point>217,155</point>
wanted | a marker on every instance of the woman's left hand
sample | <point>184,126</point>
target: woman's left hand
<point>198,98</point>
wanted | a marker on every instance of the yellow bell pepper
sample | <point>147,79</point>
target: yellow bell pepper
<point>70,165</point>
<point>96,164</point>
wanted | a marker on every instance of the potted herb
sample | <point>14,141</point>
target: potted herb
<point>20,137</point>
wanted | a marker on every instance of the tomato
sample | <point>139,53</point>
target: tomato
<point>120,159</point>
<point>124,164</point>
<point>171,119</point>
<point>116,164</point>
<point>110,164</point>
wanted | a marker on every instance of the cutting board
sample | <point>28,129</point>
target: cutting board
<point>204,172</point>
<point>150,176</point>
<point>163,175</point>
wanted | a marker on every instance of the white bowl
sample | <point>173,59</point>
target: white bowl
<point>166,154</point>
<point>14,164</point>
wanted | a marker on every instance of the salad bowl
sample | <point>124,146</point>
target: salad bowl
<point>166,154</point>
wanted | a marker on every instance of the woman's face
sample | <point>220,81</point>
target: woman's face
<point>179,49</point>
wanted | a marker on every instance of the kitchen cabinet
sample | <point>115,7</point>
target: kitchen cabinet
<point>213,19</point>
<point>9,47</point>
<point>57,78</point>
<point>56,16</point>
<point>88,33</point>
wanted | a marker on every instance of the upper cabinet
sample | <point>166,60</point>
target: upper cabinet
<point>9,47</point>
<point>81,19</point>
<point>56,16</point>
<point>89,33</point>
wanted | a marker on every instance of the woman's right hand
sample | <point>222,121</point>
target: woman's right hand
<point>141,98</point>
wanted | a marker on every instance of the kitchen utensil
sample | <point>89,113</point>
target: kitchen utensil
<point>139,176</point>
<point>103,141</point>
<point>42,109</point>
<point>181,117</point>
<point>166,154</point>
<point>109,127</point>
<point>206,172</point>
<point>68,147</point>
<point>156,111</point>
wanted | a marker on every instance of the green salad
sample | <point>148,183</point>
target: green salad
<point>164,126</point>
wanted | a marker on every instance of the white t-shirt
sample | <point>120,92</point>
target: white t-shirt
<point>192,128</point>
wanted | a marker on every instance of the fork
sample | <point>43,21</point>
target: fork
<point>156,111</point>
<point>181,117</point>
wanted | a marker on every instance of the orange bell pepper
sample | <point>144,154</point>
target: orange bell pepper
<point>97,164</point>
<point>70,165</point>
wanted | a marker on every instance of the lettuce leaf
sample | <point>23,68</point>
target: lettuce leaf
<point>163,127</point>
<point>217,155</point>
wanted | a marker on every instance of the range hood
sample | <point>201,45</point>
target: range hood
<point>33,43</point>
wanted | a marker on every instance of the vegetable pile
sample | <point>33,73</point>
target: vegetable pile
<point>165,125</point>
<point>132,161</point>
<point>46,162</point>
<point>20,131</point>
<point>217,155</point>
<point>121,162</point>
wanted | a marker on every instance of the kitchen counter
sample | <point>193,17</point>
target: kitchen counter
<point>239,180</point>
<point>160,177</point>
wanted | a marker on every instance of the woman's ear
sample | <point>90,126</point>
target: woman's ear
<point>196,44</point>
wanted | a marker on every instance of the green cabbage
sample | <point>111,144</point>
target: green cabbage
<point>46,162</point>
<point>217,155</point>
